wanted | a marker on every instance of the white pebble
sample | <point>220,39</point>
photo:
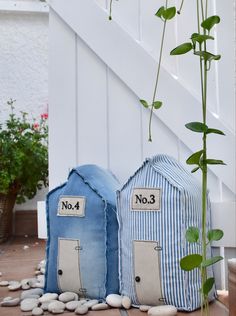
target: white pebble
<point>10,302</point>
<point>99,307</point>
<point>8,298</point>
<point>114,300</point>
<point>31,292</point>
<point>163,310</point>
<point>44,305</point>
<point>24,284</point>
<point>68,296</point>
<point>56,307</point>
<point>39,285</point>
<point>126,302</point>
<point>25,247</point>
<point>40,277</point>
<point>4,283</point>
<point>72,305</point>
<point>29,304</point>
<point>48,297</point>
<point>37,311</point>
<point>81,310</point>
<point>90,303</point>
<point>43,270</point>
<point>37,272</point>
<point>144,308</point>
<point>14,286</point>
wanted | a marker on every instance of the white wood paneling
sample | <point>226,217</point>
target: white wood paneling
<point>226,71</point>
<point>24,6</point>
<point>164,141</point>
<point>127,14</point>
<point>62,100</point>
<point>134,65</point>
<point>225,218</point>
<point>125,143</point>
<point>91,107</point>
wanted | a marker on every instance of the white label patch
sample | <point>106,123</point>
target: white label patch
<point>146,199</point>
<point>71,206</point>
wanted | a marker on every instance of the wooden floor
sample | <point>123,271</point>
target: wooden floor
<point>17,263</point>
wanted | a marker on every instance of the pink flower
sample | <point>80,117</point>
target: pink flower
<point>36,125</point>
<point>44,116</point>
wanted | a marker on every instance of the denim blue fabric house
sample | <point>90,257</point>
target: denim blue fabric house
<point>82,246</point>
<point>155,207</point>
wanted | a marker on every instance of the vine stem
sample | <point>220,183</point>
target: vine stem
<point>157,79</point>
<point>181,6</point>
<point>110,10</point>
<point>204,78</point>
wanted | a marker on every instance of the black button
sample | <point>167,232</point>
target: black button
<point>137,279</point>
<point>60,272</point>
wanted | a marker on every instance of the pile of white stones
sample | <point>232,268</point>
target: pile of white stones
<point>33,299</point>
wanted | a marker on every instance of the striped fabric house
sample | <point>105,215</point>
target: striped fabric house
<point>82,246</point>
<point>155,207</point>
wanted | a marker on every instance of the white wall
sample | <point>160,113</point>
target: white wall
<point>95,90</point>
<point>24,64</point>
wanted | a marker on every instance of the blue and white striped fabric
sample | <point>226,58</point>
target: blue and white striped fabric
<point>180,208</point>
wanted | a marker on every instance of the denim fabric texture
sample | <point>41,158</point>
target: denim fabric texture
<point>97,231</point>
<point>180,208</point>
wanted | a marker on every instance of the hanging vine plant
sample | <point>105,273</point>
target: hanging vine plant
<point>199,160</point>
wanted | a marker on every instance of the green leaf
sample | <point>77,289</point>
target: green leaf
<point>157,104</point>
<point>211,261</point>
<point>215,162</point>
<point>215,234</point>
<point>200,38</point>
<point>192,234</point>
<point>214,131</point>
<point>190,262</point>
<point>207,56</point>
<point>210,22</point>
<point>160,12</point>
<point>197,127</point>
<point>169,13</point>
<point>194,159</point>
<point>182,49</point>
<point>195,169</point>
<point>207,286</point>
<point>144,103</point>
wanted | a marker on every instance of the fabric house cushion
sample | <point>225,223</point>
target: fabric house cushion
<point>82,246</point>
<point>155,207</point>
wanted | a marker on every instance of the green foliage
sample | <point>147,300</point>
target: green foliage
<point>214,162</point>
<point>192,234</point>
<point>182,49</point>
<point>157,104</point>
<point>197,127</point>
<point>190,262</point>
<point>208,23</point>
<point>207,286</point>
<point>215,234</point>
<point>215,131</point>
<point>23,155</point>
<point>200,38</point>
<point>144,103</point>
<point>169,13</point>
<point>194,159</point>
<point>211,261</point>
<point>166,14</point>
